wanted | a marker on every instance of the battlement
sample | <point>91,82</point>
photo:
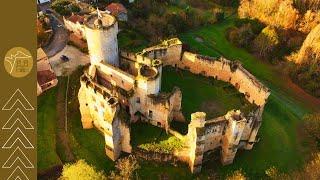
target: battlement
<point>163,46</point>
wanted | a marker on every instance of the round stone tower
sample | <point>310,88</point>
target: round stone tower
<point>101,33</point>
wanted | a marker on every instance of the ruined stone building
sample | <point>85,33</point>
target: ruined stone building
<point>120,88</point>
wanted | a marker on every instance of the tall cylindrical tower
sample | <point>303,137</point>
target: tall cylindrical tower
<point>101,33</point>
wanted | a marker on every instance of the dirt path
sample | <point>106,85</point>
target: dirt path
<point>303,95</point>
<point>62,136</point>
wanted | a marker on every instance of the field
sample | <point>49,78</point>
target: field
<point>279,145</point>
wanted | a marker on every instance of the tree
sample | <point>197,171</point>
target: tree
<point>126,168</point>
<point>309,21</point>
<point>277,13</point>
<point>310,50</point>
<point>81,171</point>
<point>266,42</point>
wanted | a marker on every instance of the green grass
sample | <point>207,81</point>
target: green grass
<point>198,92</point>
<point>153,138</point>
<point>279,146</point>
<point>142,133</point>
<point>46,130</point>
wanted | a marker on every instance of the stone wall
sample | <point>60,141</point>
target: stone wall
<point>116,76</point>
<point>228,71</point>
<point>155,156</point>
<point>169,51</point>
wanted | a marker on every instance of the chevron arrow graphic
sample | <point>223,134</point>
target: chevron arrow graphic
<point>18,117</point>
<point>17,97</point>
<point>17,173</point>
<point>17,136</point>
<point>16,156</point>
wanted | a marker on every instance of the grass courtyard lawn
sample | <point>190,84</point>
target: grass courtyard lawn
<point>279,145</point>
<point>200,93</point>
<point>46,130</point>
<point>142,133</point>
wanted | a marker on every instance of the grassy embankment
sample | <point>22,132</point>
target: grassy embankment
<point>46,125</point>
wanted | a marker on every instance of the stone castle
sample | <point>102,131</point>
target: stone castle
<point>120,88</point>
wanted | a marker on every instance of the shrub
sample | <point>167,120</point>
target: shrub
<point>126,168</point>
<point>237,175</point>
<point>165,146</point>
<point>81,171</point>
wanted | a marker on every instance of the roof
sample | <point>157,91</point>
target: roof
<point>76,18</point>
<point>45,76</point>
<point>116,8</point>
<point>41,54</point>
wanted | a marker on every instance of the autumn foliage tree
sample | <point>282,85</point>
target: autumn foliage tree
<point>266,42</point>
<point>278,13</point>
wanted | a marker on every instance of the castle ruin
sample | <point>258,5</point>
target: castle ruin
<point>120,88</point>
